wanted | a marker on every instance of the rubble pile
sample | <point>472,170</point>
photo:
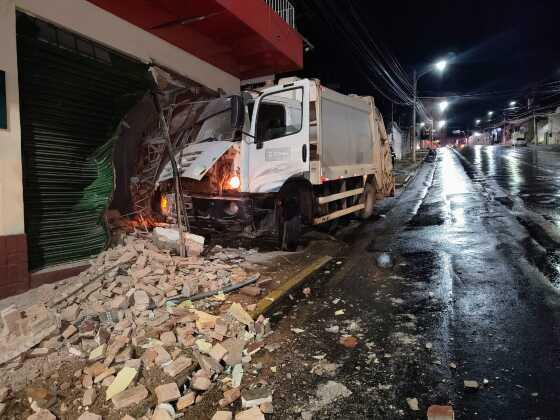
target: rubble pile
<point>138,351</point>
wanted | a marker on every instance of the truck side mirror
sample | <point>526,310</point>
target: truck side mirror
<point>237,112</point>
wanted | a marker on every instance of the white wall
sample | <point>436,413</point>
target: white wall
<point>97,24</point>
<point>11,187</point>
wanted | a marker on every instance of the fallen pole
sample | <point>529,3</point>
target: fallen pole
<point>178,299</point>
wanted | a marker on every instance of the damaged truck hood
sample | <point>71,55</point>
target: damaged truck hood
<point>196,159</point>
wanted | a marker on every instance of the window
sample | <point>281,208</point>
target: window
<point>280,114</point>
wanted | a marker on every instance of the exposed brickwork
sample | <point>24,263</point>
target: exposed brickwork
<point>14,277</point>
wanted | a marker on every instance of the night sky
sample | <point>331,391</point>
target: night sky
<point>496,46</point>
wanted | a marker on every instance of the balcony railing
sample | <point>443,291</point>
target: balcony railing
<point>285,9</point>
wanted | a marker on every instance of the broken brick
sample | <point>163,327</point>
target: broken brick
<point>167,392</point>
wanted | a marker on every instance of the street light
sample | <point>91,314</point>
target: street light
<point>512,103</point>
<point>422,124</point>
<point>443,105</point>
<point>490,113</point>
<point>439,66</point>
<point>477,122</point>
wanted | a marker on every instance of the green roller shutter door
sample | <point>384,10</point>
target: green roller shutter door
<point>71,101</point>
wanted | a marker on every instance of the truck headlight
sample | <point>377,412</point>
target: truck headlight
<point>234,182</point>
<point>164,204</point>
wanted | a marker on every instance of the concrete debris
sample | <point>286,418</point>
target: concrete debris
<point>384,260</point>
<point>121,382</point>
<point>116,318</point>
<point>471,385</point>
<point>348,341</point>
<point>440,412</point>
<point>255,397</point>
<point>330,392</point>
<point>412,403</point>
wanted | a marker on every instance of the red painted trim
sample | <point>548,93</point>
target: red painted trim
<point>245,38</point>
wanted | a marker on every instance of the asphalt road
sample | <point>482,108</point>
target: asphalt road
<point>463,301</point>
<point>532,173</point>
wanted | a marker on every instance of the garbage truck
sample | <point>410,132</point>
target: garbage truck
<point>286,156</point>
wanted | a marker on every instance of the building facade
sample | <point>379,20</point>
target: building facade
<point>70,69</point>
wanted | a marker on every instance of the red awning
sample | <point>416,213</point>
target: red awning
<point>245,38</point>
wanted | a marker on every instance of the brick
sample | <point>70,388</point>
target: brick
<point>200,383</point>
<point>42,415</point>
<point>222,415</point>
<point>218,352</point>
<point>186,400</point>
<point>440,412</point>
<point>177,366</point>
<point>168,338</point>
<point>130,397</point>
<point>267,408</point>
<point>161,414</point>
<point>251,414</point>
<point>230,396</point>
<point>89,397</point>
<point>70,313</point>
<point>90,416</point>
<point>69,331</point>
<point>167,393</point>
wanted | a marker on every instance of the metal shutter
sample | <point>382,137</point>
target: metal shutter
<point>73,93</point>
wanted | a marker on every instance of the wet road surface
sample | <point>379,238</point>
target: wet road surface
<point>463,301</point>
<point>531,173</point>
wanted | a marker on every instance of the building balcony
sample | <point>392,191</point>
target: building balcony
<point>246,38</point>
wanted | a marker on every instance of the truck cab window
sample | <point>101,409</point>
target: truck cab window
<point>280,114</point>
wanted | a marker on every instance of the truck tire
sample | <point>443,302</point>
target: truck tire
<point>290,232</point>
<point>368,199</point>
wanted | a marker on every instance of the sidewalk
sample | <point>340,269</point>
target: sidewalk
<point>405,168</point>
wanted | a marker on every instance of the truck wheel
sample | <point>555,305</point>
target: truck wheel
<point>368,199</point>
<point>290,232</point>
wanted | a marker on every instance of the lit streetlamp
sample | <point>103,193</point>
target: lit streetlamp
<point>477,121</point>
<point>439,66</point>
<point>443,105</point>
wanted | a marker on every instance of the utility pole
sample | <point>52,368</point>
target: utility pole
<point>414,83</point>
<point>535,134</point>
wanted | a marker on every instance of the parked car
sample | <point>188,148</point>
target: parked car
<point>518,139</point>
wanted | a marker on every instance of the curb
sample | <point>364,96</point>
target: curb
<point>294,281</point>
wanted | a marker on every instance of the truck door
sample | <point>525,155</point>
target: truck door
<point>280,148</point>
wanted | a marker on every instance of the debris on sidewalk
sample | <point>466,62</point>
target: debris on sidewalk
<point>471,385</point>
<point>412,403</point>
<point>117,323</point>
<point>440,412</point>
